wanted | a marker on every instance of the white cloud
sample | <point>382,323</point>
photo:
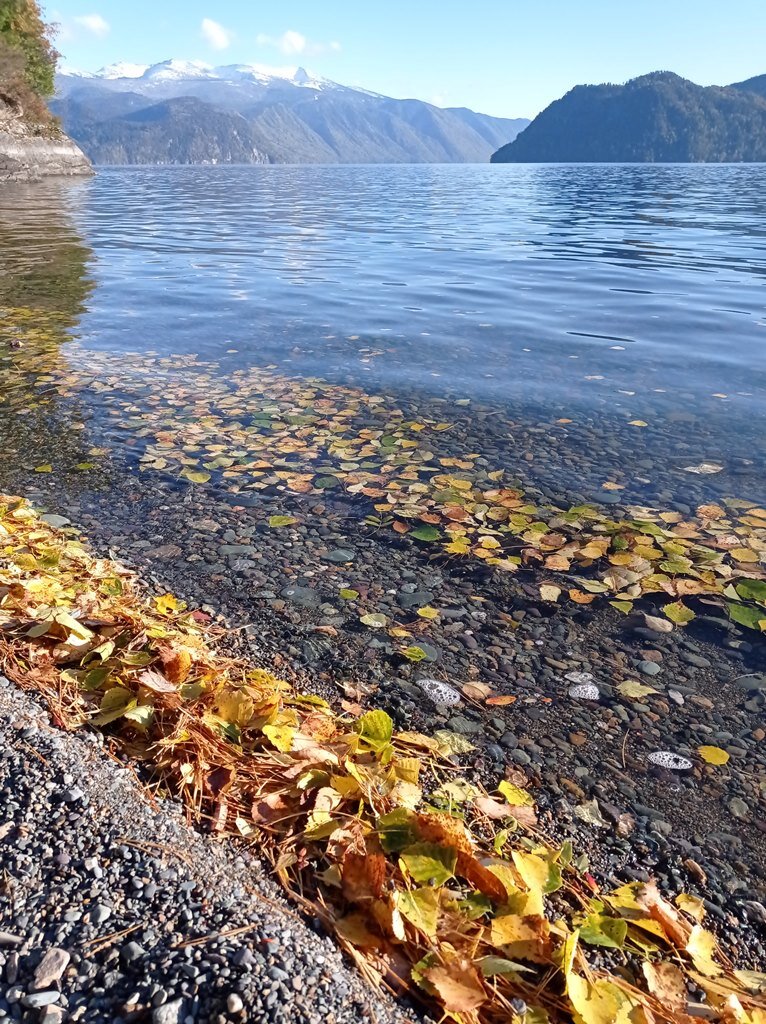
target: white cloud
<point>294,44</point>
<point>215,34</point>
<point>93,23</point>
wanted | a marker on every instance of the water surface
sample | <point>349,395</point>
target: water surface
<point>601,294</point>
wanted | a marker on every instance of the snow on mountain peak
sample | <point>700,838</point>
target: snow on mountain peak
<point>122,69</point>
<point>184,70</point>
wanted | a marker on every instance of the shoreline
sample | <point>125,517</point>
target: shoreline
<point>150,919</point>
<point>76,567</point>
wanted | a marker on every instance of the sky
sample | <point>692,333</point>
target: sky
<point>510,58</point>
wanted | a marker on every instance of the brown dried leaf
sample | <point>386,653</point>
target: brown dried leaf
<point>156,682</point>
<point>363,876</point>
<point>458,986</point>
<point>176,663</point>
<point>667,984</point>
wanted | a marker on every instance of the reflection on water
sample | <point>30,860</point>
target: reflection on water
<point>598,294</point>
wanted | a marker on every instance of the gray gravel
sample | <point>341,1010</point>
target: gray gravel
<point>99,891</point>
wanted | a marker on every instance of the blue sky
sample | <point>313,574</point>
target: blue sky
<point>504,57</point>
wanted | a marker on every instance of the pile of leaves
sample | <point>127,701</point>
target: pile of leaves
<point>430,884</point>
<point>257,430</point>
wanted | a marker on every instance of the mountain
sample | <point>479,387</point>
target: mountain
<point>756,85</point>
<point>658,118</point>
<point>189,112</point>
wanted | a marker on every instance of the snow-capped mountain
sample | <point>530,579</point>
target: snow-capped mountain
<point>124,76</point>
<point>181,111</point>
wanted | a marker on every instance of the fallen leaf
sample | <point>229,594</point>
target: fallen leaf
<point>458,986</point>
<point>713,755</point>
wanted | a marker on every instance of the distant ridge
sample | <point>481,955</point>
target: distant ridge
<point>182,111</point>
<point>657,118</point>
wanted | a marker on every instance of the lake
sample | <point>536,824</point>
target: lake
<point>593,322</point>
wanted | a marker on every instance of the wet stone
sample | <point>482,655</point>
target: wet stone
<point>339,556</point>
<point>418,599</point>
<point>304,597</point>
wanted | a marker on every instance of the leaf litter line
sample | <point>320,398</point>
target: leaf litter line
<point>472,910</point>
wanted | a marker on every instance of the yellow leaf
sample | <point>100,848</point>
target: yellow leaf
<point>743,555</point>
<point>713,755</point>
<point>515,795</point>
<point>45,468</point>
<point>600,1002</point>
<point>638,423</point>
<point>196,476</point>
<point>421,908</point>
<point>167,604</point>
<point>428,612</point>
<point>701,947</point>
<point>678,612</point>
<point>691,905</point>
<point>525,937</point>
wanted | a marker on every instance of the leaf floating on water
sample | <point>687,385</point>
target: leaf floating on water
<point>275,522</point>
<point>426,533</point>
<point>679,613</point>
<point>414,653</point>
<point>638,423</point>
<point>196,476</point>
<point>713,755</point>
<point>704,468</point>
<point>634,690</point>
<point>375,620</point>
<point>428,613</point>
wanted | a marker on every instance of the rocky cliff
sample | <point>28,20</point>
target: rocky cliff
<point>29,152</point>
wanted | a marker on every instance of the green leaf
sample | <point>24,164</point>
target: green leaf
<point>429,862</point>
<point>427,533</point>
<point>326,482</point>
<point>745,616</point>
<point>276,521</point>
<point>374,620</point>
<point>397,829</point>
<point>421,908</point>
<point>348,595</point>
<point>140,716</point>
<point>45,468</point>
<point>492,965</point>
<point>600,930</point>
<point>752,590</point>
<point>414,653</point>
<point>114,704</point>
<point>375,728</point>
<point>626,607</point>
<point>678,613</point>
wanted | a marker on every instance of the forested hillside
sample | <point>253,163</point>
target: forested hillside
<point>27,60</point>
